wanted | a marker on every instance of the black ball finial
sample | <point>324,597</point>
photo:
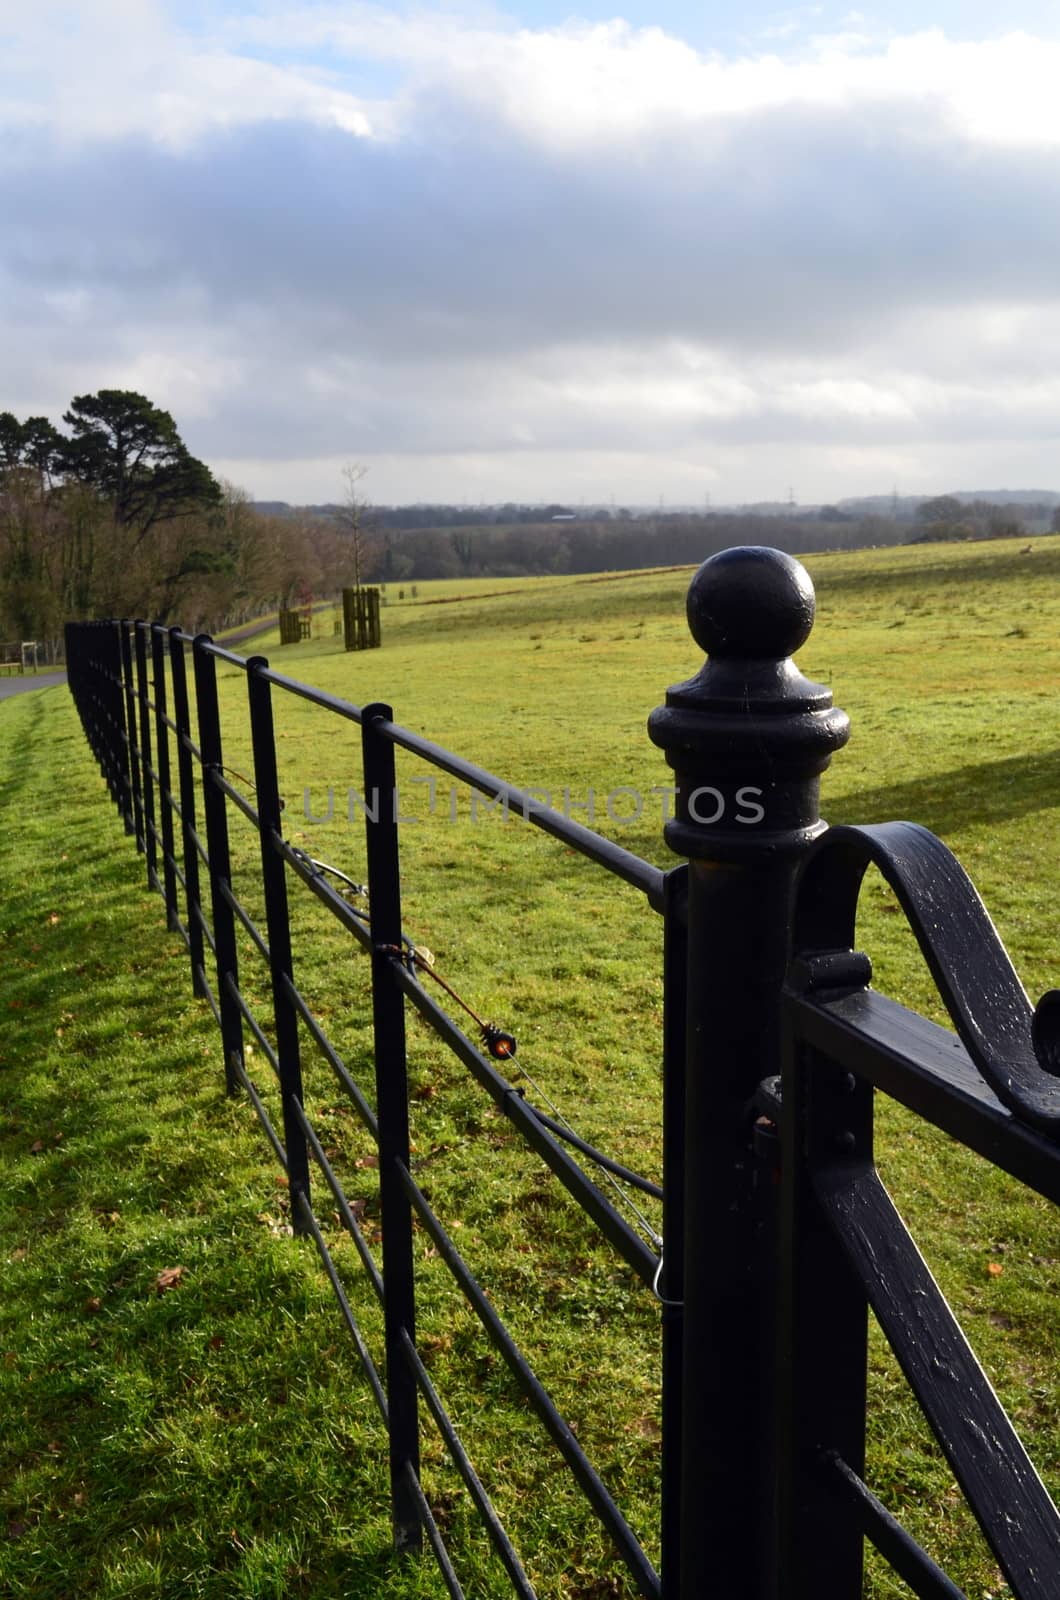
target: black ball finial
<point>751,604</point>
<point>749,725</point>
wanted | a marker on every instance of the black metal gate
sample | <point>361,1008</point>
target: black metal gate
<point>779,1233</point>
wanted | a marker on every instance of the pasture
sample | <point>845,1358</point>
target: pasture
<point>215,1439</point>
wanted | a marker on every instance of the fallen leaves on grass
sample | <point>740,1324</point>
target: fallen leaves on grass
<point>276,1225</point>
<point>169,1278</point>
<point>38,1145</point>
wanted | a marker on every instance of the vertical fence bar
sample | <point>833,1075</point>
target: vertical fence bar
<point>165,794</point>
<point>671,1278</point>
<point>388,1017</point>
<point>88,676</point>
<point>83,675</point>
<point>109,655</point>
<point>150,841</point>
<point>79,663</point>
<point>186,773</point>
<point>747,738</point>
<point>277,916</point>
<point>216,814</point>
<point>114,714</point>
<point>132,743</point>
<point>821,1393</point>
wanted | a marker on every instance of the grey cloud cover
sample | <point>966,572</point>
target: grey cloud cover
<point>847,286</point>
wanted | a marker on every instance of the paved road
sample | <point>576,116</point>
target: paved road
<point>10,685</point>
<point>252,629</point>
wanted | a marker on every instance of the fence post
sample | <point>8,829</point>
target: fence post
<point>182,718</point>
<point>671,1278</point>
<point>93,659</point>
<point>278,922</point>
<point>165,795</point>
<point>748,738</point>
<point>150,840</point>
<point>216,814</point>
<point>133,749</point>
<point>114,715</point>
<point>391,1074</point>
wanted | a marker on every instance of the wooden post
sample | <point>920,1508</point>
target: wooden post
<point>362,628</point>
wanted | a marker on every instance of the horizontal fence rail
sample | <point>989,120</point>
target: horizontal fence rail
<point>991,1086</point>
<point>773,1045</point>
<point>128,722</point>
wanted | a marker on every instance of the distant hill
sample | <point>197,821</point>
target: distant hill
<point>903,506</point>
<point>1010,497</point>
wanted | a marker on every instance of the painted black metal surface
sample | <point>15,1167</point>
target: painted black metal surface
<point>912,1563</point>
<point>999,1481</point>
<point>392,1105</point>
<point>747,738</point>
<point>778,1233</point>
<point>219,863</point>
<point>926,1068</point>
<point>278,952</point>
<point>970,965</point>
<point>989,1085</point>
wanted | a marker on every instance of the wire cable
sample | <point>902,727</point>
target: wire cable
<point>500,1044</point>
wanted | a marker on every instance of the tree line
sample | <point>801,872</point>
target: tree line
<point>945,517</point>
<point>115,517</point>
<point>607,543</point>
<point>111,515</point>
<point>499,545</point>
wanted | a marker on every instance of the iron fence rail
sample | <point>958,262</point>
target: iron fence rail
<point>778,1236</point>
<point>989,1086</point>
<point>140,779</point>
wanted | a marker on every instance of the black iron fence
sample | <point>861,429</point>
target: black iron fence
<point>779,1235</point>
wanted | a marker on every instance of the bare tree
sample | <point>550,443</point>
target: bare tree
<point>359,550</point>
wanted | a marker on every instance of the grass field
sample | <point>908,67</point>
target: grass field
<point>153,1442</point>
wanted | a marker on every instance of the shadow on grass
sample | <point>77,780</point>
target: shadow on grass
<point>997,562</point>
<point>985,793</point>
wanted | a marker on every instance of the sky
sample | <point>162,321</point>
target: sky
<point>703,253</point>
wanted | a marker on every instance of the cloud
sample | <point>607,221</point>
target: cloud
<point>120,68</point>
<point>555,250</point>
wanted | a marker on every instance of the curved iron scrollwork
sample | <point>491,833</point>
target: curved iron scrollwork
<point>1014,1045</point>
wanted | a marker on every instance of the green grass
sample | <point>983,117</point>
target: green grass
<point>209,1440</point>
<point>948,664</point>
